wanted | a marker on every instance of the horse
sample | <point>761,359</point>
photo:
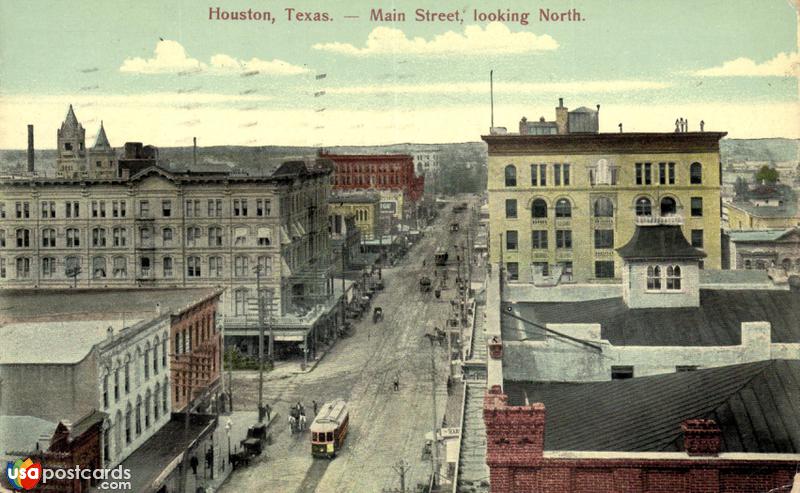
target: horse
<point>292,423</point>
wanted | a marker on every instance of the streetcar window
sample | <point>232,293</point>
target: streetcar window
<point>313,437</point>
<point>329,437</point>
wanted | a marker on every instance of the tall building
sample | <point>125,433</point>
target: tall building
<point>563,196</point>
<point>426,163</point>
<point>74,160</point>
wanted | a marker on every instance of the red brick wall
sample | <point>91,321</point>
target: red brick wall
<point>377,172</point>
<point>515,455</point>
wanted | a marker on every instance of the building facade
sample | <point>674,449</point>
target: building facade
<point>75,160</point>
<point>426,163</point>
<point>765,207</point>
<point>377,172</point>
<point>363,207</point>
<point>562,201</point>
<point>766,249</point>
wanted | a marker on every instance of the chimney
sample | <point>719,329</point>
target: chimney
<point>514,434</point>
<point>701,437</point>
<point>30,149</point>
<point>562,118</point>
<point>194,152</point>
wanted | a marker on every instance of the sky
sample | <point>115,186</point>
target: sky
<point>162,72</point>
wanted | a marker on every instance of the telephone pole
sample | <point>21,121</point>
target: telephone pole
<point>435,444</point>
<point>260,345</point>
<point>401,468</point>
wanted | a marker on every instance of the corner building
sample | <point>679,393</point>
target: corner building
<point>560,202</point>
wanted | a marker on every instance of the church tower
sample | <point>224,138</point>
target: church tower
<point>71,161</point>
<point>101,161</point>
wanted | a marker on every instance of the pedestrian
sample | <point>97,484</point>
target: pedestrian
<point>292,422</point>
<point>315,407</point>
<point>268,410</point>
<point>302,420</point>
<point>396,384</point>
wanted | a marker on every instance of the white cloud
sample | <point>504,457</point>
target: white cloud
<point>495,39</point>
<point>171,57</point>
<point>600,86</point>
<point>783,65</point>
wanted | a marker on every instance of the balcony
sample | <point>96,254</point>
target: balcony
<point>670,220</point>
<point>563,222</point>
<point>603,222</point>
<point>542,221</point>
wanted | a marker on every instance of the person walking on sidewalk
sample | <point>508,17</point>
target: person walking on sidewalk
<point>315,407</point>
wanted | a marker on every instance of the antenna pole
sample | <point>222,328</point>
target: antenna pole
<point>491,94</point>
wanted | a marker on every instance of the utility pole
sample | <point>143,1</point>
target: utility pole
<point>344,297</point>
<point>435,444</point>
<point>401,467</point>
<point>260,345</point>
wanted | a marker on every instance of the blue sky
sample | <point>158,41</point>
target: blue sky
<point>733,64</point>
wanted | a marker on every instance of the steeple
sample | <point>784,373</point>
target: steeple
<point>71,120</point>
<point>101,143</point>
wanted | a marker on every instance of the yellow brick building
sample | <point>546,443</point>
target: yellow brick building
<point>778,210</point>
<point>363,206</point>
<point>561,203</point>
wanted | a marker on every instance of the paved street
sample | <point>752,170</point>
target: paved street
<point>385,426</point>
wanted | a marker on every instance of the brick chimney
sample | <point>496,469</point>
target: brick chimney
<point>562,117</point>
<point>31,168</point>
<point>701,437</point>
<point>514,437</point>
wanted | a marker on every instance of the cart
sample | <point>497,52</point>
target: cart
<point>377,315</point>
<point>425,284</point>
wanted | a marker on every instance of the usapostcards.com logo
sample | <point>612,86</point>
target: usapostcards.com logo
<point>23,474</point>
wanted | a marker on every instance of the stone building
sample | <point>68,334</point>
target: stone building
<point>563,199</point>
<point>766,249</point>
<point>74,160</point>
<point>364,207</point>
<point>764,207</point>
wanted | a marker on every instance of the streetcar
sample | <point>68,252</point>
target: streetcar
<point>440,256</point>
<point>329,429</point>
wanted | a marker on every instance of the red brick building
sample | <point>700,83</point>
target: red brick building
<point>729,429</point>
<point>197,355</point>
<point>377,172</point>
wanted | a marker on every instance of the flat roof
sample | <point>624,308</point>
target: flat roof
<point>716,322</point>
<point>27,305</point>
<point>756,406</point>
<point>758,235</point>
<point>20,434</point>
<point>592,143</point>
<point>55,342</point>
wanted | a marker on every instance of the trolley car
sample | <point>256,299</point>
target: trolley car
<point>440,256</point>
<point>329,429</point>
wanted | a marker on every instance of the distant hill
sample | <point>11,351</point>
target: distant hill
<point>770,150</point>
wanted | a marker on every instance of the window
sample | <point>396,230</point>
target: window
<point>215,236</point>
<point>155,361</point>
<point>511,240</point>
<point>565,173</point>
<point>48,238</point>
<point>563,208</point>
<point>214,207</point>
<point>697,238</point>
<point>166,236</point>
<point>105,391</point>
<point>566,270</point>
<point>697,206</point>
<point>193,267</point>
<point>99,267</point>
<point>120,268</point>
<point>164,391</point>
<point>23,267</point>
<point>48,266</point>
<point>653,277</point>
<point>240,236</point>
<point>513,271</point>
<point>2,210</point>
<point>539,240</point>
<point>72,266</point>
<point>116,384</point>
<point>603,207</point>
<point>215,266</point>
<point>263,207</point>
<point>166,265</point>
<point>265,265</point>
<point>621,372</point>
<point>539,209</point>
<point>644,173</point>
<point>604,269</point>
<point>668,206</point>
<point>511,176</point>
<point>192,234</point>
<point>73,209</point>
<point>144,208</point>
<point>98,208</point>
<point>164,353</point>
<point>2,238</point>
<point>98,237</point>
<point>23,210</point>
<point>674,278</point>
<point>192,208</point>
<point>563,238</point>
<point>557,175</point>
<point>511,208</point>
<point>239,207</point>
<point>23,238</point>
<point>138,416</point>
<point>146,363</point>
<point>683,368</point>
<point>240,302</point>
<point>73,237</point>
<point>48,210</point>
<point>666,173</point>
<point>696,174</point>
<point>147,400</point>
<point>166,208</point>
<point>240,266</point>
<point>127,377</point>
<point>644,207</point>
<point>2,268</point>
<point>120,237</point>
<point>128,424</point>
<point>560,175</point>
<point>604,238</point>
<point>541,268</point>
<point>265,237</point>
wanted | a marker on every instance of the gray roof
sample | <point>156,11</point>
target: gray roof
<point>21,433</point>
<point>756,405</point>
<point>716,322</point>
<point>659,241</point>
<point>27,305</point>
<point>787,209</point>
<point>354,198</point>
<point>759,235</point>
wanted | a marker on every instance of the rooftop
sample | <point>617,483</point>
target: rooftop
<point>760,235</point>
<point>659,241</point>
<point>787,208</point>
<point>59,305</point>
<point>716,322</point>
<point>354,198</point>
<point>756,406</point>
<point>20,434</point>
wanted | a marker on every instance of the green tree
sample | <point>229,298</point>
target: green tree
<point>767,175</point>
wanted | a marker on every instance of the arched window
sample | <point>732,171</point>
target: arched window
<point>539,209</point>
<point>654,277</point>
<point>99,267</point>
<point>164,396</point>
<point>674,277</point>
<point>147,403</point>
<point>156,407</point>
<point>644,207</point>
<point>23,238</point>
<point>603,207</point>
<point>128,436</point>
<point>747,264</point>
<point>668,206</point>
<point>118,433</point>
<point>48,238</point>
<point>511,175</point>
<point>138,415</point>
<point>563,208</point>
<point>696,174</point>
<point>786,264</point>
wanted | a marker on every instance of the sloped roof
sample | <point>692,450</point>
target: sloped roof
<point>716,322</point>
<point>102,140</point>
<point>71,120</point>
<point>756,405</point>
<point>659,241</point>
<point>583,109</point>
<point>758,235</point>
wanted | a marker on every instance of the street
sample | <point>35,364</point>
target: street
<point>385,425</point>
